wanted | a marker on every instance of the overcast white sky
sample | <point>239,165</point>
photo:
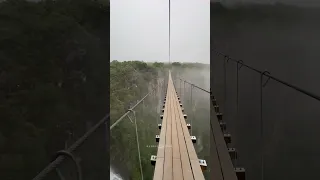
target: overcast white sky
<point>139,30</point>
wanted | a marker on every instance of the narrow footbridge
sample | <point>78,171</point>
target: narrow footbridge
<point>176,157</point>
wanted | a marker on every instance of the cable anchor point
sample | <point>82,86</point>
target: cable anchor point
<point>239,62</point>
<point>265,73</point>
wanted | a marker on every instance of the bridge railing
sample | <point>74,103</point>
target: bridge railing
<point>274,123</point>
<point>196,104</point>
<point>133,136</point>
<point>84,159</point>
<point>88,157</point>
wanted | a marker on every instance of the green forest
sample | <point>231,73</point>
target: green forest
<point>129,82</point>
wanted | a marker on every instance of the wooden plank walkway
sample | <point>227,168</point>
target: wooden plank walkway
<point>176,157</point>
<point>221,164</point>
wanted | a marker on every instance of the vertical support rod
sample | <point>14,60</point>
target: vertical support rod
<point>169,33</point>
<point>237,92</point>
<point>191,108</point>
<point>261,121</point>
<point>261,129</point>
<point>184,88</point>
<point>180,87</point>
<point>225,83</point>
<point>138,146</point>
<point>237,109</point>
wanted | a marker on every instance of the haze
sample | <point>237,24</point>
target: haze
<point>139,30</point>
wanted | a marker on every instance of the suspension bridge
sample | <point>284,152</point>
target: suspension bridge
<point>176,157</point>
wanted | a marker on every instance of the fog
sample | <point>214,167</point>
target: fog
<point>114,176</point>
<point>285,41</point>
<point>197,106</point>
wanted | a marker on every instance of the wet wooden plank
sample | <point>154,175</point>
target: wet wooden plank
<point>162,141</point>
<point>177,169</point>
<point>177,156</point>
<point>197,172</point>
<point>175,138</point>
<point>192,155</point>
<point>158,171</point>
<point>190,147</point>
<point>168,150</point>
<point>215,168</point>
<point>159,167</point>
<point>185,162</point>
<point>222,151</point>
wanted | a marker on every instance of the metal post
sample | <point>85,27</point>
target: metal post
<point>225,82</point>
<point>237,103</point>
<point>239,65</point>
<point>184,87</point>
<point>180,87</point>
<point>191,109</point>
<point>261,121</point>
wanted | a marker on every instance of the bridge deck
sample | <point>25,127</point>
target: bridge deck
<point>176,157</point>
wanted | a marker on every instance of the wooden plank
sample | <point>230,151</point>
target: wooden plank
<point>177,157</point>
<point>175,141</point>
<point>177,169</point>
<point>225,160</point>
<point>197,172</point>
<point>168,150</point>
<point>168,164</point>
<point>159,168</point>
<point>185,162</point>
<point>215,168</point>
<point>158,171</point>
<point>193,158</point>
<point>189,144</point>
<point>162,140</point>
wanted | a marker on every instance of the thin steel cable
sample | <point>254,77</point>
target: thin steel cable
<point>225,83</point>
<point>303,91</point>
<point>196,86</point>
<point>180,86</point>
<point>73,158</point>
<point>169,32</point>
<point>262,85</point>
<point>184,89</point>
<point>137,139</point>
<point>237,103</point>
<point>128,111</point>
<point>75,145</point>
<point>191,108</point>
<point>53,165</point>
